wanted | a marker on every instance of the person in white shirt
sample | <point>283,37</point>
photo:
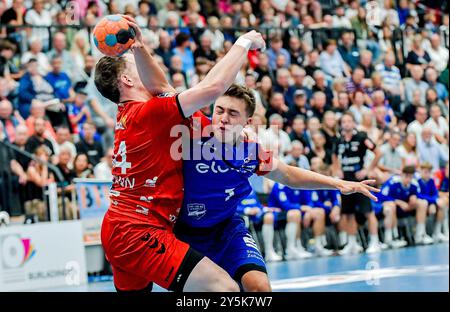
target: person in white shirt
<point>438,123</point>
<point>63,140</point>
<point>39,16</point>
<point>438,54</point>
<point>277,138</point>
<point>103,169</point>
<point>36,53</point>
<point>417,125</point>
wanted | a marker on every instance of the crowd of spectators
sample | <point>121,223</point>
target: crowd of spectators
<point>323,59</point>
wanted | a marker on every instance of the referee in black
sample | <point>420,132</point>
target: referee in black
<point>348,163</point>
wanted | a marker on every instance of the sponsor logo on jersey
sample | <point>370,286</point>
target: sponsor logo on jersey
<point>115,202</point>
<point>124,182</point>
<point>146,199</point>
<point>142,210</point>
<point>172,218</point>
<point>250,242</point>
<point>151,182</point>
<point>196,210</point>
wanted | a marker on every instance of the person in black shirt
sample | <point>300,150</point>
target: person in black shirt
<point>319,148</point>
<point>205,49</point>
<point>301,106</point>
<point>38,138</point>
<point>348,163</point>
<point>165,49</point>
<point>87,145</point>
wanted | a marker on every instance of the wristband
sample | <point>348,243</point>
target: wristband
<point>244,42</point>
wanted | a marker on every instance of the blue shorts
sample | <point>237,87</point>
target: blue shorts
<point>228,244</point>
<point>259,218</point>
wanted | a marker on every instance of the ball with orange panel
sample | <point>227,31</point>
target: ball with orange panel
<point>113,36</point>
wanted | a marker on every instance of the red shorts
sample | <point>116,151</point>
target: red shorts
<point>140,254</point>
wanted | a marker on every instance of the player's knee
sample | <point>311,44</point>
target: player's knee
<point>293,215</point>
<point>268,218</point>
<point>224,283</point>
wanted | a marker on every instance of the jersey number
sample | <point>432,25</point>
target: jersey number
<point>122,153</point>
<point>230,193</point>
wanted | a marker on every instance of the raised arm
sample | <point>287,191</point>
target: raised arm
<point>221,76</point>
<point>151,75</point>
<point>305,179</point>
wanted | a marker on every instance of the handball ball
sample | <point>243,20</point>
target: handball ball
<point>113,36</point>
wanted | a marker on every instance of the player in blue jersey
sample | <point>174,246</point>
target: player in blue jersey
<point>263,217</point>
<point>443,196</point>
<point>403,192</point>
<point>216,170</point>
<point>436,205</point>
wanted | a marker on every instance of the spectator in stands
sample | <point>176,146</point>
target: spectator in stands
<point>319,148</point>
<point>213,31</point>
<point>276,49</point>
<point>431,151</point>
<point>82,167</point>
<point>295,51</point>
<point>39,16</point>
<point>341,104</point>
<point>389,160</point>
<point>87,145</point>
<point>103,169</point>
<point>301,106</point>
<point>205,50</point>
<point>165,49</point>
<point>391,79</point>
<point>415,83</point>
<point>8,68</point>
<point>417,55</point>
<point>39,138</point>
<point>438,123</point>
<point>332,63</point>
<point>38,111</point>
<point>318,104</point>
<point>277,137</point>
<point>311,62</point>
<point>366,63</point>
<point>14,16</point>
<point>59,49</point>
<point>368,126</point>
<point>431,77</point>
<point>33,86</point>
<point>348,50</point>
<point>299,79</point>
<point>432,99</point>
<point>182,49</point>
<point>408,150</point>
<point>418,124</point>
<point>9,119</point>
<point>65,165</point>
<point>358,107</point>
<point>38,177</point>
<point>283,86</point>
<point>265,91</point>
<point>296,156</point>
<point>63,140</point>
<point>78,111</point>
<point>35,52</point>
<point>438,53</point>
<point>321,85</point>
<point>278,106</point>
<point>330,130</point>
<point>299,132</point>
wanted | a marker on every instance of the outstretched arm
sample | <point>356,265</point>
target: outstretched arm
<point>221,76</point>
<point>151,75</point>
<point>305,179</point>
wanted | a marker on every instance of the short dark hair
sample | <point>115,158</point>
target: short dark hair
<point>107,72</point>
<point>181,38</point>
<point>245,94</point>
<point>409,170</point>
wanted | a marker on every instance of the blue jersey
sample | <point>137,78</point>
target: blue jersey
<point>428,191</point>
<point>251,201</point>
<point>216,180</point>
<point>393,189</point>
<point>286,198</point>
<point>325,199</point>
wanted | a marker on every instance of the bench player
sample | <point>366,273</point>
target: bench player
<point>147,188</point>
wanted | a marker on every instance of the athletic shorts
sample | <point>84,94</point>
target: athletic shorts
<point>229,244</point>
<point>356,204</point>
<point>140,255</point>
<point>404,214</point>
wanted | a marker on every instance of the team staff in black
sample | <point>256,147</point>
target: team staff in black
<point>348,163</point>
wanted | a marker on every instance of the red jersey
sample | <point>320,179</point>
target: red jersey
<point>147,181</point>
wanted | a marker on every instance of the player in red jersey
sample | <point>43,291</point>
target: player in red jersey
<point>147,190</point>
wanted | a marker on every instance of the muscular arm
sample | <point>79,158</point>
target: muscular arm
<point>219,78</point>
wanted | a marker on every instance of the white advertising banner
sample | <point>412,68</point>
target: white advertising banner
<point>42,255</point>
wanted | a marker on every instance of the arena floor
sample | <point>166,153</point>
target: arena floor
<point>424,268</point>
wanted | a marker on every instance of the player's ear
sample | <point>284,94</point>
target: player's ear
<point>126,80</point>
<point>249,121</point>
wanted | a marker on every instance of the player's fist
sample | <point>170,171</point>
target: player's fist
<point>256,39</point>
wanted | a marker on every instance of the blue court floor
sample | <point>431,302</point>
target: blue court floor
<point>423,268</point>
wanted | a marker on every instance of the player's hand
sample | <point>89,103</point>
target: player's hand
<point>363,187</point>
<point>256,39</point>
<point>138,41</point>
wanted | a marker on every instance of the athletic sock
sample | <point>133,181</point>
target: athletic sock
<point>291,233</point>
<point>373,239</point>
<point>388,235</point>
<point>437,228</point>
<point>343,237</point>
<point>395,232</point>
<point>420,229</point>
<point>352,240</point>
<point>267,233</point>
